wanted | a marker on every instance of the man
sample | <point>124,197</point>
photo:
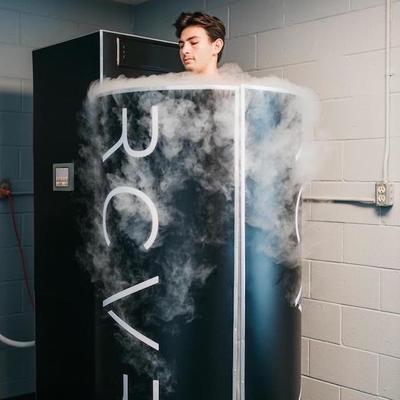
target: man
<point>201,41</point>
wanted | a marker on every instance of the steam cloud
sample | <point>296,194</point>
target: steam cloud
<point>195,150</point>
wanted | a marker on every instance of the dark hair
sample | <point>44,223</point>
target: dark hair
<point>213,26</point>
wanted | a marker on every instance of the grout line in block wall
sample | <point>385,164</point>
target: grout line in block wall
<point>371,50</point>
<point>229,22</point>
<point>337,223</point>
<point>395,180</point>
<point>356,223</point>
<point>284,16</point>
<point>361,52</point>
<point>21,95</point>
<point>355,264</point>
<point>378,370</point>
<point>342,242</point>
<point>18,314</point>
<point>335,384</point>
<point>361,392</point>
<point>132,20</point>
<point>344,140</point>
<point>341,325</point>
<point>14,283</point>
<point>256,50</point>
<point>342,159</point>
<point>27,12</point>
<point>348,11</point>
<point>363,308</point>
<point>15,247</point>
<point>346,347</point>
<point>310,61</point>
<point>311,378</point>
<point>21,298</point>
<point>266,70</point>
<point>10,147</point>
<point>310,207</point>
<point>20,146</point>
<point>20,28</point>
<point>377,224</point>
<point>16,280</point>
<point>334,182</point>
<point>336,98</point>
<point>371,6</point>
<point>379,290</point>
<point>325,17</point>
<point>310,265</point>
<point>262,31</point>
<point>20,164</point>
<point>8,77</point>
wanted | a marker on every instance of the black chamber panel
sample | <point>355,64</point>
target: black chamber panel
<point>272,264</point>
<point>63,292</point>
<point>66,310</point>
<point>196,346</point>
<point>135,56</point>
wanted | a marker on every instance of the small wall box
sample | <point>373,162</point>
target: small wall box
<point>63,177</point>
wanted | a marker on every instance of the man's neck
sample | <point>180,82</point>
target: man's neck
<point>210,70</point>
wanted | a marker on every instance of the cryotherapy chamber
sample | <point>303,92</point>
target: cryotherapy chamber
<point>172,261</point>
<point>192,187</point>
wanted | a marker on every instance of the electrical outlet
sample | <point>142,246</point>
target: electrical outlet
<point>384,194</point>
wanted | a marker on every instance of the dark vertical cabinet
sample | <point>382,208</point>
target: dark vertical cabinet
<point>65,296</point>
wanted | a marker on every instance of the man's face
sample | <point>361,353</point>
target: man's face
<point>197,52</point>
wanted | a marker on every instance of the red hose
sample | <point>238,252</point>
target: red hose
<point>20,249</point>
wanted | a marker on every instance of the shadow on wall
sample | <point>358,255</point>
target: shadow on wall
<point>17,366</point>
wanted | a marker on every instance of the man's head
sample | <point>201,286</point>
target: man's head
<point>201,41</point>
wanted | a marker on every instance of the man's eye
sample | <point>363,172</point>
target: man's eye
<point>193,43</point>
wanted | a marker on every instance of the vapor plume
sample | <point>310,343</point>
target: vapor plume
<point>190,176</point>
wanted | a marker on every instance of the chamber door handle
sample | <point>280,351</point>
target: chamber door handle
<point>296,215</point>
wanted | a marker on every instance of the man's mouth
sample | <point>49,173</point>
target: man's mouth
<point>186,60</point>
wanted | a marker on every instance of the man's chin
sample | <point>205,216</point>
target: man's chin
<point>190,67</point>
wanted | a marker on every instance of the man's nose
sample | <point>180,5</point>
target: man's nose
<point>185,48</point>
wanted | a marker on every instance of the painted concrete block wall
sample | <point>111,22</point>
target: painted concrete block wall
<point>25,25</point>
<point>351,270</point>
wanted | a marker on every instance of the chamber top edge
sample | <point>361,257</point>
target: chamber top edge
<point>229,78</point>
<point>223,87</point>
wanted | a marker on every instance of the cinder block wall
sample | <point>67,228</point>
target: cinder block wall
<point>351,318</point>
<point>25,25</point>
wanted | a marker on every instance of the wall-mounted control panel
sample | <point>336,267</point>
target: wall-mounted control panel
<point>63,177</point>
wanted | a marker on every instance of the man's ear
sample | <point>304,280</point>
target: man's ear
<point>218,45</point>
